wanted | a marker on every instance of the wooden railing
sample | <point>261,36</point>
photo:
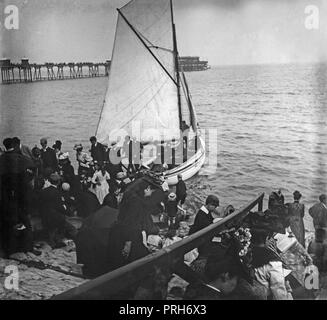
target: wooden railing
<point>170,257</point>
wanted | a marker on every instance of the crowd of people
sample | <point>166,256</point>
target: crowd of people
<point>42,182</point>
<point>124,207</point>
<point>267,258</point>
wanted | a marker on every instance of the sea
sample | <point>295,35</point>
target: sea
<point>265,126</point>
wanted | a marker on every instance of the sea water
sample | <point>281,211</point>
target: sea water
<point>269,124</point>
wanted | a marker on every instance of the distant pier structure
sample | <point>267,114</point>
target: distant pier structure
<point>189,63</point>
<point>26,72</point>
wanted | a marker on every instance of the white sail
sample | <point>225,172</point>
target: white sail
<point>142,92</point>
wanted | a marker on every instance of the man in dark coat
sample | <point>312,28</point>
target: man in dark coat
<point>92,242</point>
<point>48,156</point>
<point>180,190</point>
<point>22,149</point>
<point>14,221</point>
<point>204,218</point>
<point>53,211</point>
<point>318,212</point>
<point>98,151</point>
<point>87,201</point>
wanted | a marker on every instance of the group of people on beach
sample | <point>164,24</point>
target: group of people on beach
<point>42,182</point>
<point>125,207</point>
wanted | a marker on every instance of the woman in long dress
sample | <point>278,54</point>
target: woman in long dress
<point>84,160</point>
<point>296,214</point>
<point>100,182</point>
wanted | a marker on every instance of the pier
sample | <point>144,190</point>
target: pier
<point>26,72</point>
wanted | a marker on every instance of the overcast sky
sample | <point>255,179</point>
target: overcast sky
<point>222,31</point>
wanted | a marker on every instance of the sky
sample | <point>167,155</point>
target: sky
<point>224,32</point>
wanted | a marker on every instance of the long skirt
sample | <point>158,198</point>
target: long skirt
<point>101,191</point>
<point>297,227</point>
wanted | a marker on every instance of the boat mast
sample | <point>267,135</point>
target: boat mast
<point>176,66</point>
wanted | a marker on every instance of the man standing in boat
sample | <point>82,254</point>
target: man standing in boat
<point>185,133</point>
<point>128,153</point>
<point>137,150</point>
<point>97,150</point>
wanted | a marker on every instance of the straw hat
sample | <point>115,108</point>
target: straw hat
<point>65,186</point>
<point>64,156</point>
<point>78,146</point>
<point>121,175</point>
<point>172,196</point>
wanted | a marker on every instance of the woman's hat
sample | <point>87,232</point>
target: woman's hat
<point>65,186</point>
<point>121,175</point>
<point>172,196</point>
<point>64,156</point>
<point>78,146</point>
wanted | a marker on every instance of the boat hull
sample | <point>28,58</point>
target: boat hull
<point>189,168</point>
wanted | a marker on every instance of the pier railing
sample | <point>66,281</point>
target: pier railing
<point>170,258</point>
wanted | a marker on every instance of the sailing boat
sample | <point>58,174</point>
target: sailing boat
<point>148,96</point>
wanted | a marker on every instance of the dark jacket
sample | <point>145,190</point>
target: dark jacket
<point>319,214</point>
<point>52,208</point>
<point>180,189</point>
<point>88,203</point>
<point>201,221</point>
<point>68,174</point>
<point>171,208</point>
<point>13,185</point>
<point>262,256</point>
<point>12,163</point>
<point>98,152</point>
<point>49,159</point>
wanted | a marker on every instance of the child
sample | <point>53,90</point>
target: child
<point>172,209</point>
<point>180,190</point>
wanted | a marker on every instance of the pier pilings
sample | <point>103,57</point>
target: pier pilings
<point>25,72</point>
